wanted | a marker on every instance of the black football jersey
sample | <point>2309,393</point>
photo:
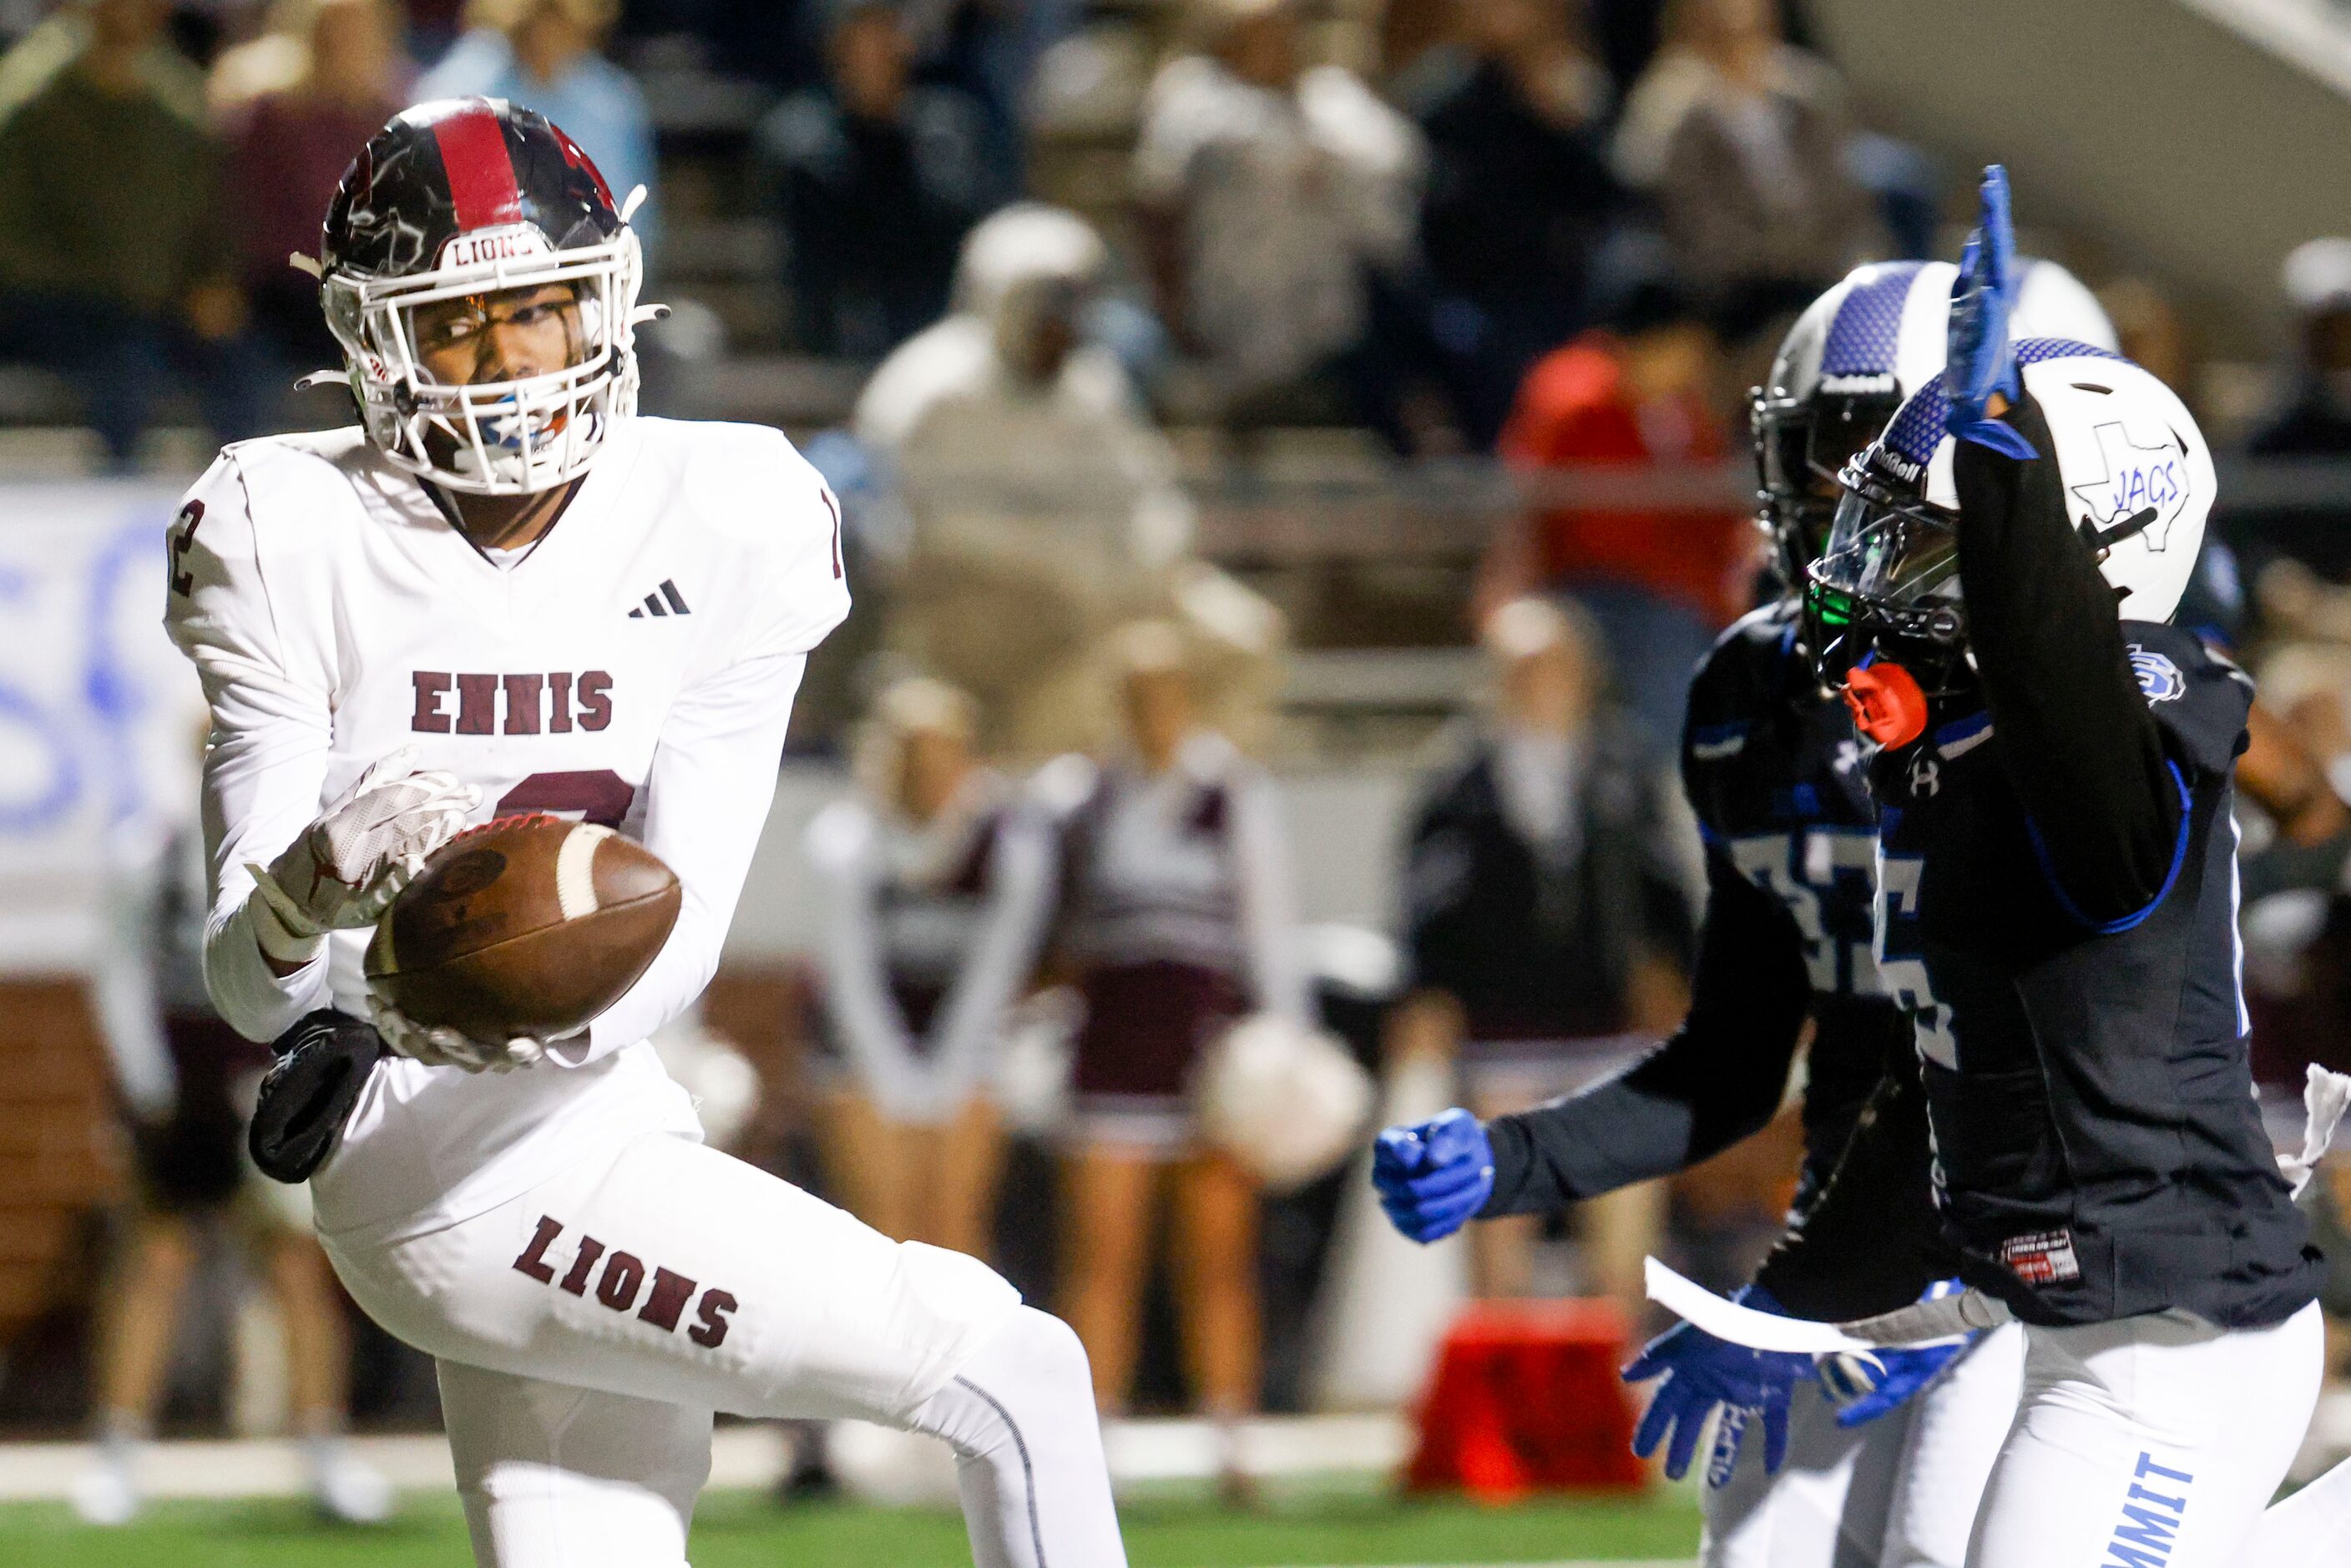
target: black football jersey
<point>1780,786</point>
<point>2098,1150</point>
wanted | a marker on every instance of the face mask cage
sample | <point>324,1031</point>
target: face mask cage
<point>1801,444</point>
<point>496,438</point>
<point>1886,582</point>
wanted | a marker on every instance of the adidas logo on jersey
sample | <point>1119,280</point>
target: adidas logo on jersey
<point>663,600</point>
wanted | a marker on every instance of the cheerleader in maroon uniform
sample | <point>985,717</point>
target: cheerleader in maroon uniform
<point>1176,923</point>
<point>939,885</point>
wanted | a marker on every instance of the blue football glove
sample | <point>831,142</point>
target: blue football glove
<point>1979,360</point>
<point>1433,1175</point>
<point>1864,1387</point>
<point>1701,1372</point>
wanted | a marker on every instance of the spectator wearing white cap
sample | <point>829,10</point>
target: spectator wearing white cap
<point>1042,505</point>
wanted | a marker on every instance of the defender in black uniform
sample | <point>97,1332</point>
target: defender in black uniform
<point>1779,783</point>
<point>2056,914</point>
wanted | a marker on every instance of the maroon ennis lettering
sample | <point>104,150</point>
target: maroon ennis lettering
<point>522,704</point>
<point>430,717</point>
<point>528,704</point>
<point>477,704</point>
<point>595,706</point>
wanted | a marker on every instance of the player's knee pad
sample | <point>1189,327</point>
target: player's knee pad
<point>1032,1371</point>
<point>1020,1414</point>
<point>1036,1347</point>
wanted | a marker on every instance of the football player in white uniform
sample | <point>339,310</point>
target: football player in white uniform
<point>503,593</point>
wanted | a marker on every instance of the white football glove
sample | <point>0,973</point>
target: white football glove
<point>348,865</point>
<point>437,1045</point>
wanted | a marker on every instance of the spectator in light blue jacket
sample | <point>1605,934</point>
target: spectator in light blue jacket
<point>542,54</point>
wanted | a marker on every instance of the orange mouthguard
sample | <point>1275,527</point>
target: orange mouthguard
<point>1887,706</point>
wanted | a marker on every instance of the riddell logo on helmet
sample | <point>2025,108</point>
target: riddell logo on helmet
<point>493,245</point>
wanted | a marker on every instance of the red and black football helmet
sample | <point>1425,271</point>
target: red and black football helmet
<point>466,197</point>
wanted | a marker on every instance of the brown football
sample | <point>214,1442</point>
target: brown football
<point>529,925</point>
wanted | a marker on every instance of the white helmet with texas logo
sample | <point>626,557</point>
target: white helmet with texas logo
<point>2137,477</point>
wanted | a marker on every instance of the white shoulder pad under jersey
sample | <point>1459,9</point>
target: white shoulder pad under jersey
<point>281,531</point>
<point>249,549</point>
<point>756,505</point>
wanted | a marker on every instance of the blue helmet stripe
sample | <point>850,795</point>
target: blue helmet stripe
<point>1863,333</point>
<point>1917,427</point>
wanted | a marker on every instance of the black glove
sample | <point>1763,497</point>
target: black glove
<point>323,1062</point>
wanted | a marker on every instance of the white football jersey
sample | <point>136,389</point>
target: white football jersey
<point>636,668</point>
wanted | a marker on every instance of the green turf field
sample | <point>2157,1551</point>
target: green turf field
<point>742,1530</point>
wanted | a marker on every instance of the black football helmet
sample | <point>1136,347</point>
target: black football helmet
<point>469,197</point>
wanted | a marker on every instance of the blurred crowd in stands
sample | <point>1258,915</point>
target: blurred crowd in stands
<point>1065,247</point>
<point>1308,212</point>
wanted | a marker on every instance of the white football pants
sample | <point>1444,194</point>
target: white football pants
<point>1897,1492</point>
<point>2312,1528</point>
<point>587,1330</point>
<point>2152,1442</point>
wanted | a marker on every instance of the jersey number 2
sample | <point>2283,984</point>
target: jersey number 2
<point>184,539</point>
<point>601,797</point>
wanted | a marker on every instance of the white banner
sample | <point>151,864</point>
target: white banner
<point>100,719</point>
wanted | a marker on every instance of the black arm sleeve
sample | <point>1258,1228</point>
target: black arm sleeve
<point>2074,731</point>
<point>1872,1242</point>
<point>1718,1078</point>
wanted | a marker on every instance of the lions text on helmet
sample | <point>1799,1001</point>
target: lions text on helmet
<point>483,284</point>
